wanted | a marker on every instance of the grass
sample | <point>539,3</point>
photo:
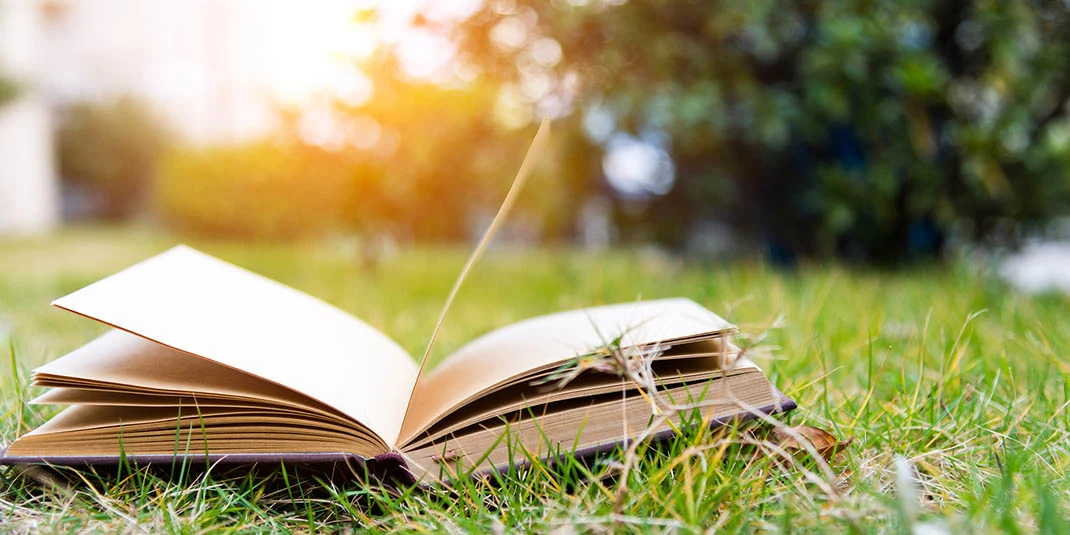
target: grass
<point>953,387</point>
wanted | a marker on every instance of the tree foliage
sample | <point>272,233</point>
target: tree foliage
<point>866,129</point>
<point>422,162</point>
<point>111,150</point>
<point>8,90</point>
<point>260,190</point>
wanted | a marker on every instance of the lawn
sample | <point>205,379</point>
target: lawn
<point>953,388</point>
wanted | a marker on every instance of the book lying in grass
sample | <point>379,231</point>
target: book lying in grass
<point>206,358</point>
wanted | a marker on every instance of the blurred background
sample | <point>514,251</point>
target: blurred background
<point>876,131</point>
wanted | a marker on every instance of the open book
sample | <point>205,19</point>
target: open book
<point>208,358</point>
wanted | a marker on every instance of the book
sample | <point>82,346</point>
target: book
<point>206,360</point>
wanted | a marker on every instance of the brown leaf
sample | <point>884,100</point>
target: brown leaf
<point>824,442</point>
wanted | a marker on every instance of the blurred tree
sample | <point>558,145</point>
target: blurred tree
<point>8,90</point>
<point>454,161</point>
<point>865,129</point>
<point>112,150</point>
<point>438,161</point>
<point>419,161</point>
<point>439,156</point>
<point>257,190</point>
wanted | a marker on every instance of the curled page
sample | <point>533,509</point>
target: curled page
<point>538,146</point>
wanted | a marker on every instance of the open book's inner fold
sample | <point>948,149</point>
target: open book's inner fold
<point>205,307</point>
<point>522,350</point>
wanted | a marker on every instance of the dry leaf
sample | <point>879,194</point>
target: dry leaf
<point>823,441</point>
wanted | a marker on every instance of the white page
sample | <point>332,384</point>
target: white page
<point>201,305</point>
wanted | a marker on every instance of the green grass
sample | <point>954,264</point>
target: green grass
<point>943,367</point>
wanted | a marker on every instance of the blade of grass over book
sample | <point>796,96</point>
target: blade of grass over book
<point>203,306</point>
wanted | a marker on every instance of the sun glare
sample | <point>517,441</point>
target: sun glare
<point>316,49</point>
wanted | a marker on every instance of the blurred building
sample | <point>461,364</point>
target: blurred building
<point>211,68</point>
<point>29,200</point>
<point>190,59</point>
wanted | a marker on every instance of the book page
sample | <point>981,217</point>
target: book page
<point>198,304</point>
<point>121,361</point>
<point>528,345</point>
